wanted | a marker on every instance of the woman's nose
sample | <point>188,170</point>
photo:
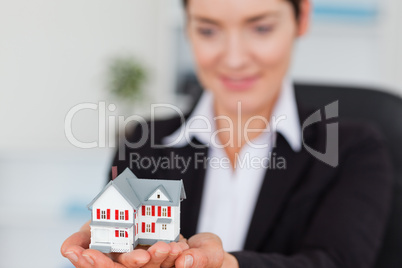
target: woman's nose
<point>235,55</point>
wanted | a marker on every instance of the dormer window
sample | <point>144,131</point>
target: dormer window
<point>159,194</point>
<point>122,215</point>
<point>103,214</point>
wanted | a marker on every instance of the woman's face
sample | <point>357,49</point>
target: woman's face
<point>242,50</point>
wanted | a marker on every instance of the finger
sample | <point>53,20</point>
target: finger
<point>80,239</point>
<point>175,251</point>
<point>97,259</point>
<point>134,259</point>
<point>205,251</point>
<point>73,247</point>
<point>205,240</point>
<point>184,246</point>
<point>182,239</point>
<point>86,227</point>
<point>159,252</point>
<point>145,247</point>
<point>74,254</point>
<point>186,259</point>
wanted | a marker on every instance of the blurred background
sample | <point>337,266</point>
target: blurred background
<point>55,55</point>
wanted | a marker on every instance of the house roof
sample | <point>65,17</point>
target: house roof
<point>162,220</point>
<point>137,191</point>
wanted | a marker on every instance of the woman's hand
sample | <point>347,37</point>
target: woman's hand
<point>206,251</point>
<point>75,248</point>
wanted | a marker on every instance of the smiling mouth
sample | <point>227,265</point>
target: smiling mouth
<point>238,83</point>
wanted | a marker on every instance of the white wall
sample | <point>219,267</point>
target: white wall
<point>391,44</point>
<point>54,55</point>
<point>357,52</point>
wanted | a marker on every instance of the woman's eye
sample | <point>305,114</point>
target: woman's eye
<point>206,31</point>
<point>263,29</point>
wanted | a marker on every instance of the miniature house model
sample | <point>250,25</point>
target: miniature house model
<point>131,211</point>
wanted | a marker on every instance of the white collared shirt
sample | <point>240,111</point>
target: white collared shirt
<point>229,196</point>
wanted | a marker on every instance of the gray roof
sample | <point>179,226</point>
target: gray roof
<point>111,224</point>
<point>137,191</point>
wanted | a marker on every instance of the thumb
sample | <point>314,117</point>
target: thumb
<point>205,251</point>
<point>192,258</point>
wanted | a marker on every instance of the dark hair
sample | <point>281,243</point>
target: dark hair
<point>295,4</point>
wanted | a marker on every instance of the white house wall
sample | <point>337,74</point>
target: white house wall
<point>176,221</point>
<point>112,199</point>
<point>123,244</point>
<point>106,236</point>
<point>159,234</point>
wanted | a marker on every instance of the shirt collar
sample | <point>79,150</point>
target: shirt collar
<point>285,115</point>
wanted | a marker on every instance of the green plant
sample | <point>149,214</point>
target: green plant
<point>127,77</point>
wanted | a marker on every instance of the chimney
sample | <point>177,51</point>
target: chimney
<point>114,172</point>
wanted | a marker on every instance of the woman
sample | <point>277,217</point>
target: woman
<point>253,190</point>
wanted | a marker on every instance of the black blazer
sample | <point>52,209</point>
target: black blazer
<point>307,215</point>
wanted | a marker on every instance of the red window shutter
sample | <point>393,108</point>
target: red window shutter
<point>126,234</point>
<point>169,211</point>
<point>116,215</point>
<point>159,211</point>
<point>143,227</point>
<point>98,213</point>
<point>126,215</point>
<point>153,210</point>
<point>136,229</point>
<point>108,214</point>
<point>143,210</point>
<point>116,233</point>
<point>153,227</point>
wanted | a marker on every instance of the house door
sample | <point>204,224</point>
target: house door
<point>101,236</point>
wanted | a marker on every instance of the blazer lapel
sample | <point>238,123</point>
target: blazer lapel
<point>193,179</point>
<point>275,190</point>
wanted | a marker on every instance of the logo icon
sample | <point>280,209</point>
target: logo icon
<point>331,154</point>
